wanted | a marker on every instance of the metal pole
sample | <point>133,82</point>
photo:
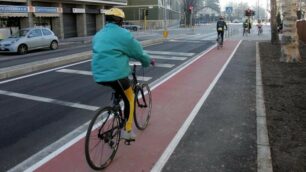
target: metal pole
<point>165,33</point>
<point>257,10</point>
<point>165,16</point>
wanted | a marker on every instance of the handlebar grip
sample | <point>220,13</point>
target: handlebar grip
<point>153,62</point>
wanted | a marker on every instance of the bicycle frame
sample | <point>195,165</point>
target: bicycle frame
<point>117,97</point>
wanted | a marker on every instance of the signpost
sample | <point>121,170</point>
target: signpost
<point>229,10</point>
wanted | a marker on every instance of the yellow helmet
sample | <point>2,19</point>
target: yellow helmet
<point>115,12</point>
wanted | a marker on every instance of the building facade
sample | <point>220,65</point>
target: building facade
<point>66,18</point>
<point>157,12</point>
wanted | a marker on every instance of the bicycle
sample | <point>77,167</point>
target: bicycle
<point>106,125</point>
<point>246,31</point>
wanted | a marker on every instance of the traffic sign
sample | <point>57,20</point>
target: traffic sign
<point>229,10</point>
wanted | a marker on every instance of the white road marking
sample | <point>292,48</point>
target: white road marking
<point>189,41</point>
<point>165,65</point>
<point>49,100</point>
<point>170,53</point>
<point>169,58</point>
<point>142,78</point>
<point>174,142</point>
<point>72,71</point>
<point>42,72</point>
<point>83,72</point>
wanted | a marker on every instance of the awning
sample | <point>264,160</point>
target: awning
<point>13,14</point>
<point>46,14</point>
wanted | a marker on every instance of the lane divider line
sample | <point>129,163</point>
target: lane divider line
<point>170,53</point>
<point>164,65</point>
<point>89,73</point>
<point>174,142</point>
<point>49,100</point>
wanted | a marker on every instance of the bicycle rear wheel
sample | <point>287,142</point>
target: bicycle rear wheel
<point>102,139</point>
<point>143,106</point>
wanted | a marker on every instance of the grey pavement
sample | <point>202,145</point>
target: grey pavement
<point>225,135</point>
<point>222,137</point>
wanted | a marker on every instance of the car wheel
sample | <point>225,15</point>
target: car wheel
<point>134,28</point>
<point>53,45</point>
<point>22,49</point>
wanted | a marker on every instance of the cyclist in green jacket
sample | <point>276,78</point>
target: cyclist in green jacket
<point>112,48</point>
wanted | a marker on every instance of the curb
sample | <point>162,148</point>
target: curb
<point>264,160</point>
<point>26,68</point>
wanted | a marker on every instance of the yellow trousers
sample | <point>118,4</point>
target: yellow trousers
<point>130,96</point>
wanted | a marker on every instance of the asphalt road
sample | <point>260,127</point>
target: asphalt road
<point>35,111</point>
<point>79,45</point>
<point>38,110</point>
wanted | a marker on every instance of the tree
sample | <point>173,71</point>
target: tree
<point>274,33</point>
<point>197,5</point>
<point>290,40</point>
<point>187,5</point>
<point>213,4</point>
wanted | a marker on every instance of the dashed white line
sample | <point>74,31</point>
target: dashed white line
<point>164,65</point>
<point>169,58</point>
<point>49,100</point>
<point>170,53</point>
<point>83,72</point>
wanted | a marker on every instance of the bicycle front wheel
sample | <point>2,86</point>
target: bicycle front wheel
<point>102,139</point>
<point>143,106</point>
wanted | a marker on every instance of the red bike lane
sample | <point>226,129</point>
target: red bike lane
<point>173,101</point>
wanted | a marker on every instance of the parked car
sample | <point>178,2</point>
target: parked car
<point>29,39</point>
<point>130,26</point>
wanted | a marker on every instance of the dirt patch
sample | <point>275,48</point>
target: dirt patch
<point>285,100</point>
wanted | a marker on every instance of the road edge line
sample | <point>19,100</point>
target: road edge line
<point>158,166</point>
<point>264,161</point>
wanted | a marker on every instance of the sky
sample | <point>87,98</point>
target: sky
<point>262,3</point>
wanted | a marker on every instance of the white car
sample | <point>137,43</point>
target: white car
<point>130,26</point>
<point>29,39</point>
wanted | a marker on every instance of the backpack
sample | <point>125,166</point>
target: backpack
<point>220,25</point>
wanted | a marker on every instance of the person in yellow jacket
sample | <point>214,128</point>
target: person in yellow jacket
<point>112,48</point>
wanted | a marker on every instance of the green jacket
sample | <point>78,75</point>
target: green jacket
<point>112,47</point>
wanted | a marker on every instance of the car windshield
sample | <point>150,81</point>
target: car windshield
<point>21,33</point>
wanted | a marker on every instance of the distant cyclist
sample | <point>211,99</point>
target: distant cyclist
<point>221,26</point>
<point>259,27</point>
<point>112,48</point>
